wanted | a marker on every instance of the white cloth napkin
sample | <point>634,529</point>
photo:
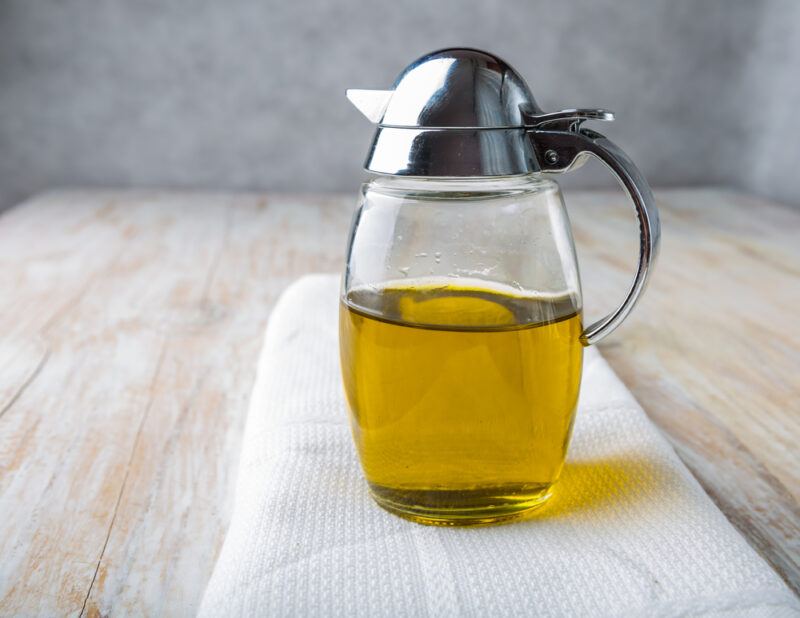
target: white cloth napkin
<point>628,532</point>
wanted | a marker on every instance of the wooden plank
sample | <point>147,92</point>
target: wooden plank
<point>175,507</point>
<point>79,421</point>
<point>132,322</point>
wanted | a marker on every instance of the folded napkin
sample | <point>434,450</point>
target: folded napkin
<point>628,531</point>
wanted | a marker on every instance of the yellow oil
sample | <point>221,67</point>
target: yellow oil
<point>462,397</point>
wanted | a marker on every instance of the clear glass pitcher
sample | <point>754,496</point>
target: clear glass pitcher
<point>461,330</point>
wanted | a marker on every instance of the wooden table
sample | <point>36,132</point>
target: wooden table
<point>131,323</point>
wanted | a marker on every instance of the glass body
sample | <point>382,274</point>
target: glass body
<point>460,324</point>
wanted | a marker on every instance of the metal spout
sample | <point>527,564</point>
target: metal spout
<point>371,103</point>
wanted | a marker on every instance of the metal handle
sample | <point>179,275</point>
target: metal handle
<point>559,151</point>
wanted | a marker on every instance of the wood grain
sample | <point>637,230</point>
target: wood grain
<point>131,323</point>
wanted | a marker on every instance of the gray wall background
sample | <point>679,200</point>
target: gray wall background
<point>249,94</point>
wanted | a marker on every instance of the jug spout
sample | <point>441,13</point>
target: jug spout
<point>371,103</point>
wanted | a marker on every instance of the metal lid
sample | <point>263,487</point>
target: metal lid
<point>455,113</point>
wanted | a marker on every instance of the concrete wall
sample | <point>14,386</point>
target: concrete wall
<point>248,94</point>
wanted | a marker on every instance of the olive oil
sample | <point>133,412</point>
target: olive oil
<point>462,397</point>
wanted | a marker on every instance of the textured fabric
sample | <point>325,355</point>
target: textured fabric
<point>628,532</point>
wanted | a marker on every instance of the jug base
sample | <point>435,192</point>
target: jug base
<point>476,507</point>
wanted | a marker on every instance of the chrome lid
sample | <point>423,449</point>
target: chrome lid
<point>454,113</point>
<point>456,88</point>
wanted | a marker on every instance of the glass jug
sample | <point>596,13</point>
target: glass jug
<point>461,331</point>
